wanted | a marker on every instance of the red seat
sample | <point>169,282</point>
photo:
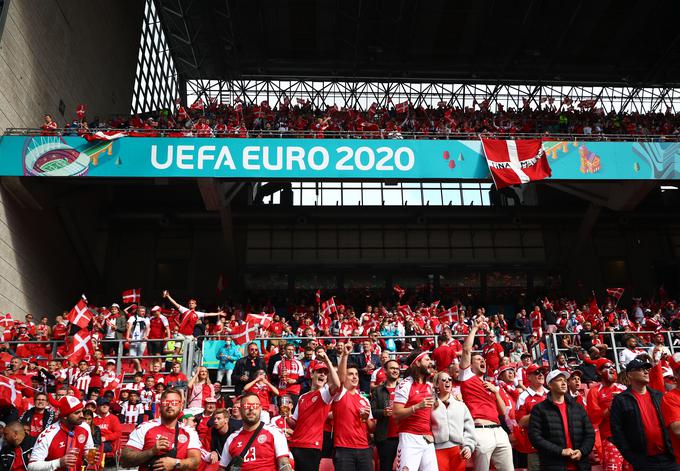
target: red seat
<point>326,465</point>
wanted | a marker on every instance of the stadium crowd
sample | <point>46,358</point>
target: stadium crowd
<point>394,121</point>
<point>395,386</point>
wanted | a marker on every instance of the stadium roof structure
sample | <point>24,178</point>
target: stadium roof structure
<point>607,42</point>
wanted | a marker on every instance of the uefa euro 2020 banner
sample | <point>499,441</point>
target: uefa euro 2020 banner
<point>320,159</point>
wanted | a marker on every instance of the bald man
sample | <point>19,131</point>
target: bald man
<point>17,448</point>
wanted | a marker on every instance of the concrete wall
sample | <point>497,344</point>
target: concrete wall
<point>75,51</point>
<point>78,51</point>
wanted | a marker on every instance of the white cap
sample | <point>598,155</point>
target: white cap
<point>554,374</point>
<point>155,308</point>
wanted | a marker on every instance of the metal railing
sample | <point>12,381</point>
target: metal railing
<point>614,344</point>
<point>379,134</point>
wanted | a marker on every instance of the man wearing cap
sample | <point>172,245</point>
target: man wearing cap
<point>108,423</point>
<point>63,444</point>
<point>311,412</point>
<point>159,330</point>
<point>574,386</point>
<point>412,408</point>
<point>38,417</point>
<point>486,404</point>
<point>163,444</point>
<point>670,407</point>
<point>532,395</point>
<point>631,351</point>
<point>559,428</point>
<point>598,404</point>
<point>637,424</point>
<point>204,421</point>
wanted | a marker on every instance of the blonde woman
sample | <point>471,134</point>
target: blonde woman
<point>452,427</point>
<point>199,389</point>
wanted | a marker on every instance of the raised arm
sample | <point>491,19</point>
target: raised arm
<point>166,295</point>
<point>342,362</point>
<point>469,341</point>
<point>333,377</point>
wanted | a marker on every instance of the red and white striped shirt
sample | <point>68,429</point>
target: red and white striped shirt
<point>147,397</point>
<point>131,412</point>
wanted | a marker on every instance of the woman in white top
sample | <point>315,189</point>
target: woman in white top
<point>452,427</point>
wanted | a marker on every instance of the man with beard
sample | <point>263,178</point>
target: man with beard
<point>246,367</point>
<point>386,429</point>
<point>163,444</point>
<point>486,404</point>
<point>413,403</point>
<point>63,444</point>
<point>266,450</point>
<point>311,413</point>
<point>598,404</point>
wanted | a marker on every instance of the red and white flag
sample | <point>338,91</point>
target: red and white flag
<point>515,162</point>
<point>243,333</point>
<point>198,105</point>
<point>9,395</point>
<point>81,346</point>
<point>405,310</point>
<point>6,321</point>
<point>80,111</point>
<point>328,307</point>
<point>449,316</point>
<point>262,319</point>
<point>401,107</point>
<point>399,290</point>
<point>105,136</point>
<point>80,315</point>
<point>132,296</point>
<point>616,293</point>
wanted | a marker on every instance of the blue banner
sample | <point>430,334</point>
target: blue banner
<point>210,350</point>
<point>320,159</point>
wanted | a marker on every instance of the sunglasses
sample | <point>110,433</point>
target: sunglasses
<point>445,380</point>
<point>251,406</point>
<point>171,402</point>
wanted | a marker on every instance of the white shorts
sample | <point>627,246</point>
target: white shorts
<point>415,454</point>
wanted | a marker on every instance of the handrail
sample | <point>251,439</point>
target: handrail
<point>614,336</point>
<point>382,134</point>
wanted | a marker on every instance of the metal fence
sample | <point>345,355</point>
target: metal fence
<point>382,134</point>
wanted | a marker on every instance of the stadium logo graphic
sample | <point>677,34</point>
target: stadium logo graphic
<point>51,156</point>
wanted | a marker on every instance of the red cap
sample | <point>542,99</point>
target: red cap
<point>533,368</point>
<point>69,404</point>
<point>319,365</point>
<point>505,368</point>
<point>602,362</point>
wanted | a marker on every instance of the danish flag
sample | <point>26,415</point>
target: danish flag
<point>328,307</point>
<point>515,162</point>
<point>6,321</point>
<point>262,319</point>
<point>615,292</point>
<point>243,333</point>
<point>80,315</point>
<point>405,310</point>
<point>401,107</point>
<point>450,316</point>
<point>132,296</point>
<point>9,395</point>
<point>81,346</point>
<point>399,290</point>
<point>105,136</point>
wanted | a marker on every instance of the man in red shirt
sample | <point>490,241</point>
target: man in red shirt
<point>637,425</point>
<point>444,354</point>
<point>598,404</point>
<point>63,444</point>
<point>413,401</point>
<point>532,395</point>
<point>108,423</point>
<point>493,352</point>
<point>159,330</point>
<point>486,404</point>
<point>290,373</point>
<point>189,315</point>
<point>268,451</point>
<point>670,407</point>
<point>311,412</point>
<point>352,420</point>
<point>152,444</point>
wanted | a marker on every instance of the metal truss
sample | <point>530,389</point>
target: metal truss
<point>361,95</point>
<point>156,81</point>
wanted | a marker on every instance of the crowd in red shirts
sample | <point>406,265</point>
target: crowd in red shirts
<point>295,354</point>
<point>304,119</point>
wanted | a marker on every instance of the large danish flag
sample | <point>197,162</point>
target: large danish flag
<point>81,346</point>
<point>515,162</point>
<point>9,395</point>
<point>80,315</point>
<point>328,307</point>
<point>263,319</point>
<point>243,333</point>
<point>132,296</point>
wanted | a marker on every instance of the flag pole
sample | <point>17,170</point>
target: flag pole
<point>24,385</point>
